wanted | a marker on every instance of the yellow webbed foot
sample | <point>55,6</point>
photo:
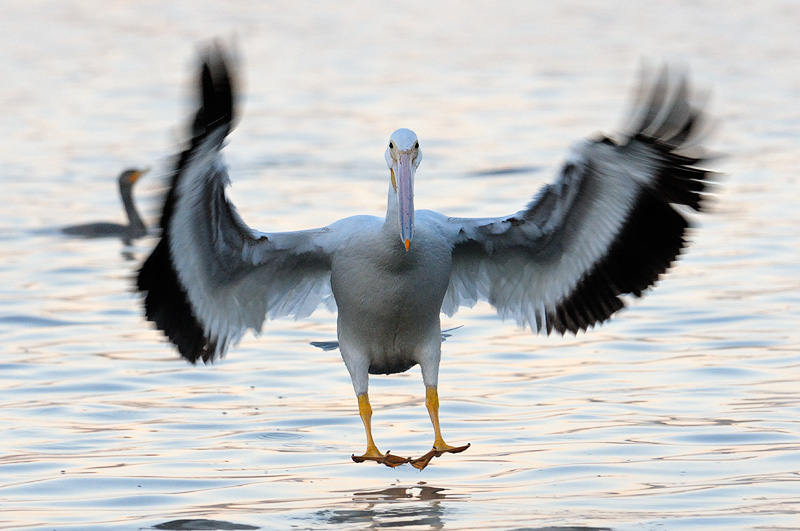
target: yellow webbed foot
<point>387,459</point>
<point>421,462</point>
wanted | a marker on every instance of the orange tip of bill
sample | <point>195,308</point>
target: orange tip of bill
<point>407,243</point>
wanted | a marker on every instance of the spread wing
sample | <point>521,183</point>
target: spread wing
<point>210,278</point>
<point>611,223</point>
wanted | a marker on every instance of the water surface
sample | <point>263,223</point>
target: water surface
<point>681,413</point>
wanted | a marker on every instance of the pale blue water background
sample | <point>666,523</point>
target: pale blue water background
<point>681,413</point>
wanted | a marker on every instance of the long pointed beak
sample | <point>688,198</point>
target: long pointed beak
<point>405,198</point>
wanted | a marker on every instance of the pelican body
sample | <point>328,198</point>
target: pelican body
<point>135,227</point>
<point>606,228</point>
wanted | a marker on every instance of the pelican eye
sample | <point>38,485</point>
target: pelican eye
<point>391,145</point>
<point>416,145</point>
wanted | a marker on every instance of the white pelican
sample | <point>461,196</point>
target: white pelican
<point>606,227</point>
<point>135,227</point>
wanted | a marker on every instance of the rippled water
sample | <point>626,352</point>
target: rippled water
<point>681,413</point>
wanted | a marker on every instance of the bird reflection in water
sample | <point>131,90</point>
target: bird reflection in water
<point>416,506</point>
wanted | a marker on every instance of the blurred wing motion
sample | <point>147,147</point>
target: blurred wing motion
<point>210,276</point>
<point>609,225</point>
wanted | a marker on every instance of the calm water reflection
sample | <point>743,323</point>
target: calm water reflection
<point>682,413</point>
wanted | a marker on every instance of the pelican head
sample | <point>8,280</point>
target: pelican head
<point>403,156</point>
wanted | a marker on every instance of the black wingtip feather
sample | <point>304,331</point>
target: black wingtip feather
<point>167,305</point>
<point>165,300</point>
<point>654,234</point>
<point>217,94</point>
<point>652,239</point>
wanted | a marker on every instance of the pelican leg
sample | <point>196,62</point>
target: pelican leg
<point>439,446</point>
<point>372,453</point>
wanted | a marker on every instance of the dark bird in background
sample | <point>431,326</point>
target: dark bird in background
<point>135,227</point>
<point>609,226</point>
